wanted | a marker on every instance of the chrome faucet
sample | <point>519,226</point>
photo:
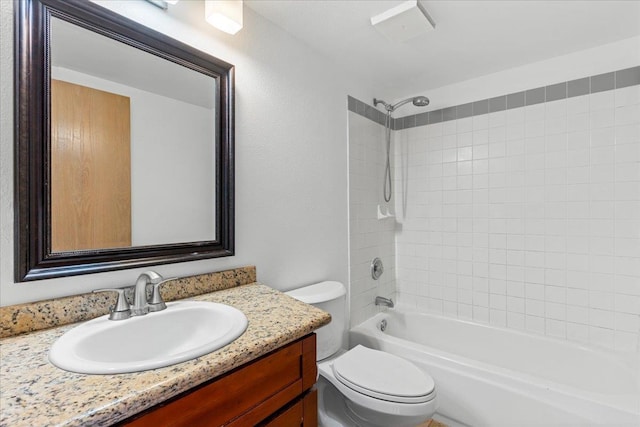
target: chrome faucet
<point>140,305</point>
<point>388,302</point>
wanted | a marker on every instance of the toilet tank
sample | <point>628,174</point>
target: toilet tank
<point>330,297</point>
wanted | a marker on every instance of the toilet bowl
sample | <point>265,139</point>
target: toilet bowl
<point>362,386</point>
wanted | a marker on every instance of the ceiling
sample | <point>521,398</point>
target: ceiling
<point>471,39</point>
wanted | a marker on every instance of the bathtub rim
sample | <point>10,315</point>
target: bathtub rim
<point>625,402</point>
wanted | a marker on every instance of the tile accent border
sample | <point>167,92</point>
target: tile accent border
<point>33,316</point>
<point>584,86</point>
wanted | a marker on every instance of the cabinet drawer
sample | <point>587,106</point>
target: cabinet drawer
<point>244,396</point>
<point>303,413</point>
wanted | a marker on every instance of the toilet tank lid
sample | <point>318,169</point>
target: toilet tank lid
<point>319,292</point>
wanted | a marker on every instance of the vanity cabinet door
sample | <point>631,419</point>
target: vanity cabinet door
<point>246,396</point>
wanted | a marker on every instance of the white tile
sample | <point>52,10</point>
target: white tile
<point>626,342</point>
<point>498,317</point>
<point>556,328</point>
<point>601,119</point>
<point>628,134</point>
<point>576,314</point>
<point>514,131</point>
<point>627,304</point>
<point>627,115</point>
<point>627,171</point>
<point>603,155</point>
<point>578,279</point>
<point>602,100</point>
<point>450,127</point>
<point>480,314</point>
<point>515,147</point>
<point>555,311</point>
<point>627,96</point>
<point>578,158</point>
<point>497,134</point>
<point>627,190</point>
<point>602,283</point>
<point>578,104</point>
<point>480,122</point>
<point>577,332</point>
<point>556,108</point>
<point>464,139</point>
<point>602,300</point>
<point>602,245</point>
<point>480,137</point>
<point>465,311</point>
<point>515,304</point>
<point>498,118</point>
<point>433,130</point>
<point>535,324</point>
<point>603,136</point>
<point>578,122</point>
<point>627,247</point>
<point>534,292</point>
<point>577,297</point>
<point>627,322</point>
<point>601,318</point>
<point>556,125</point>
<point>516,320</point>
<point>497,302</point>
<point>536,128</point>
<point>601,337</point>
<point>534,113</point>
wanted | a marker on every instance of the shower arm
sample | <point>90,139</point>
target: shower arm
<point>401,103</point>
<point>391,108</point>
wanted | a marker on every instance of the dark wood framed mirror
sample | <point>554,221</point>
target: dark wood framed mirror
<point>173,105</point>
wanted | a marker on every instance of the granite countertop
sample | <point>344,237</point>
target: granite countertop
<point>33,392</point>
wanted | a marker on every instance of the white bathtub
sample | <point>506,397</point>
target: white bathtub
<point>488,376</point>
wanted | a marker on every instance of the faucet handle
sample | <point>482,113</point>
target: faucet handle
<point>121,310</point>
<point>157,303</point>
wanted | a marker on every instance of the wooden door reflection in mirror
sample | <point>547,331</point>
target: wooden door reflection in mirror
<point>90,168</point>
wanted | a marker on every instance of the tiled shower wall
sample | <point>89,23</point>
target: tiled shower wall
<point>521,211</point>
<point>527,217</point>
<point>369,237</point>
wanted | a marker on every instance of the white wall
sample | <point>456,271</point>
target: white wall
<point>291,156</point>
<point>171,150</point>
<point>601,59</point>
<point>528,218</point>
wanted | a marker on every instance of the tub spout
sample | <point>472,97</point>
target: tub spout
<point>388,302</point>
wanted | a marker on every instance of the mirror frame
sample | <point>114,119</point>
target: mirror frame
<point>33,257</point>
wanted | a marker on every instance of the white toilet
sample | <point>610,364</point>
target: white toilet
<point>361,386</point>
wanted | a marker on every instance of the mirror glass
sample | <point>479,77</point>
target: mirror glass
<point>132,145</point>
<point>124,144</point>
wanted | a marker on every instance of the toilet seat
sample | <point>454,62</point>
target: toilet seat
<point>383,376</point>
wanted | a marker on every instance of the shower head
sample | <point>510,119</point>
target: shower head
<point>418,101</point>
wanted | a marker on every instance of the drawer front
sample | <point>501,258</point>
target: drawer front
<point>244,396</point>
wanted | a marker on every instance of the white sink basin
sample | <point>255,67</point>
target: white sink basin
<point>184,331</point>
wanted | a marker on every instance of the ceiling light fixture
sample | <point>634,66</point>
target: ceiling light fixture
<point>225,15</point>
<point>403,22</point>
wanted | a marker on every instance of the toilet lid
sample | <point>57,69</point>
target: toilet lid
<point>383,376</point>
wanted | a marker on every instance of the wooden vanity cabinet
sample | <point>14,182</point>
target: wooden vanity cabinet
<point>274,390</point>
